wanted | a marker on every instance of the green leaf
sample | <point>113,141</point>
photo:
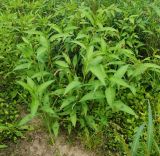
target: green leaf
<point>23,66</point>
<point>152,65</point>
<point>99,72</point>
<point>70,28</point>
<point>103,45</point>
<point>55,128</point>
<point>141,68</point>
<point>40,74</point>
<point>2,128</point>
<point>67,58</point>
<point>44,42</point>
<point>62,64</point>
<point>157,147</point>
<point>136,141</point>
<point>47,109</point>
<point>58,92</point>
<point>91,122</point>
<point>74,84</point>
<point>2,100</point>
<point>85,108</point>
<point>93,95</point>
<point>119,81</point>
<point>79,43</point>
<point>67,102</point>
<point>73,118</point>
<point>1,57</point>
<point>120,106</point>
<point>34,105</point>
<point>80,36</point>
<point>89,52</point>
<point>31,83</point>
<point>57,28</point>
<point>59,36</point>
<point>25,40</point>
<point>149,129</point>
<point>26,86</point>
<point>156,9</point>
<point>33,31</point>
<point>110,95</point>
<point>42,54</point>
<point>96,61</point>
<point>108,29</point>
<point>3,146</point>
<point>41,88</point>
<point>75,61</point>
<point>121,71</point>
<point>27,50</point>
<point>25,119</point>
<point>90,17</point>
<point>94,85</point>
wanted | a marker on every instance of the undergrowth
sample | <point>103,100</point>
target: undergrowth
<point>88,67</point>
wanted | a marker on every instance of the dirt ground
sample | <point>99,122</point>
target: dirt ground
<point>37,143</point>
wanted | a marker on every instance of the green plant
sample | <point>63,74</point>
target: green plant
<point>146,145</point>
<point>90,66</point>
<point>15,18</point>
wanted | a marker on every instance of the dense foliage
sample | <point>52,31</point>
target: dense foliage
<point>92,67</point>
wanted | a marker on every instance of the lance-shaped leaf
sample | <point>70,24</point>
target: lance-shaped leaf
<point>121,71</point>
<point>120,106</point>
<point>23,66</point>
<point>43,87</point>
<point>110,95</point>
<point>31,83</point>
<point>47,109</point>
<point>119,81</point>
<point>93,95</point>
<point>66,57</point>
<point>26,86</point>
<point>73,117</point>
<point>79,43</point>
<point>99,72</point>
<point>56,27</point>
<point>44,41</point>
<point>40,74</point>
<point>74,84</point>
<point>62,64</point>
<point>34,105</point>
<point>67,101</point>
<point>25,119</point>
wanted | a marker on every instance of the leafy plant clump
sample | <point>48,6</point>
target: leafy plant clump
<point>9,114</point>
<point>93,67</point>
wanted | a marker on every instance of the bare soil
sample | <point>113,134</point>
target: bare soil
<point>37,143</point>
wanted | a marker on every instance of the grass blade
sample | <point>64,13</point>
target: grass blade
<point>150,129</point>
<point>136,140</point>
<point>157,147</point>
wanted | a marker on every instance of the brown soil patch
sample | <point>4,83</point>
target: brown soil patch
<point>37,143</point>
